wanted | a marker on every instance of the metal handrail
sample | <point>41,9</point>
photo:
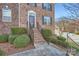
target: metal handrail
<point>76,45</point>
<point>31,32</point>
<point>73,40</point>
<point>39,27</point>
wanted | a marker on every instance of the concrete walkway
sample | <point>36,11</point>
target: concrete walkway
<point>43,50</point>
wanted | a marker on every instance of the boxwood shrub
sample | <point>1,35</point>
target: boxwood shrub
<point>3,38</point>
<point>2,53</point>
<point>50,37</point>
<point>58,42</point>
<point>61,38</point>
<point>77,33</point>
<point>46,33</point>
<point>18,30</point>
<point>11,38</point>
<point>21,41</point>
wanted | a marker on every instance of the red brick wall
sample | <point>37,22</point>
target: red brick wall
<point>14,12</point>
<point>24,8</point>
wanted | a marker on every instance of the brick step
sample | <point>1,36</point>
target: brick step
<point>38,38</point>
<point>37,33</point>
<point>38,41</point>
<point>39,44</point>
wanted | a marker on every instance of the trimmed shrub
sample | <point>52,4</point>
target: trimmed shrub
<point>1,53</point>
<point>58,42</point>
<point>77,33</point>
<point>11,38</point>
<point>21,41</point>
<point>3,38</point>
<point>54,37</point>
<point>18,30</point>
<point>46,33</point>
<point>61,38</point>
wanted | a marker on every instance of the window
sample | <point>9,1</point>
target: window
<point>27,3</point>
<point>6,14</point>
<point>47,6</point>
<point>47,20</point>
<point>32,4</point>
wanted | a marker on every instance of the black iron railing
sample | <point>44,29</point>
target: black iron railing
<point>72,46</point>
<point>39,27</point>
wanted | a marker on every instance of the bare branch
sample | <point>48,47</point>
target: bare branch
<point>72,10</point>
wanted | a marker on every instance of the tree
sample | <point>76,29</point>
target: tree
<point>73,11</point>
<point>62,24</point>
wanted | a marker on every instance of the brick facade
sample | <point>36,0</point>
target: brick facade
<point>20,14</point>
<point>39,13</point>
<point>14,12</point>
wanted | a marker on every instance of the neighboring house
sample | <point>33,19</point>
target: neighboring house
<point>75,25</point>
<point>69,25</point>
<point>27,15</point>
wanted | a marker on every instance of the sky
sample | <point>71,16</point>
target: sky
<point>59,10</point>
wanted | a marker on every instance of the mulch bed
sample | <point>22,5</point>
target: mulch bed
<point>10,49</point>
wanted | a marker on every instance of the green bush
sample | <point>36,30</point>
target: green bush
<point>77,33</point>
<point>50,37</point>
<point>61,38</point>
<point>46,33</point>
<point>11,38</point>
<point>54,37</point>
<point>18,30</point>
<point>21,41</point>
<point>58,42</point>
<point>3,38</point>
<point>1,53</point>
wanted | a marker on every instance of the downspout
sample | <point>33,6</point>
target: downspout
<point>19,14</point>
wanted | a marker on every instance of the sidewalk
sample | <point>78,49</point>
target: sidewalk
<point>43,50</point>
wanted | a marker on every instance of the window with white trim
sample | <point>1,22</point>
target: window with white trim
<point>47,6</point>
<point>6,14</point>
<point>46,20</point>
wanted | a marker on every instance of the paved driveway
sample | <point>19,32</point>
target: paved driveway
<point>73,36</point>
<point>43,50</point>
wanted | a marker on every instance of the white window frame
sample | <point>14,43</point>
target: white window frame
<point>47,23</point>
<point>6,10</point>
